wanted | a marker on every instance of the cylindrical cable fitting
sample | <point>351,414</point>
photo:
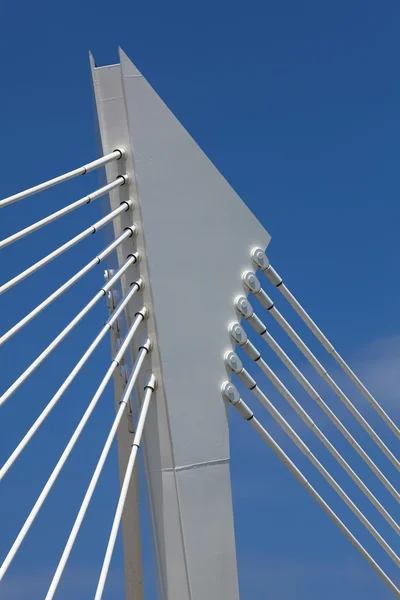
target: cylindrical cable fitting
<point>244,307</point>
<point>251,282</point>
<point>251,351</point>
<point>122,152</point>
<point>233,362</point>
<point>230,392</point>
<point>247,379</point>
<point>259,259</point>
<point>244,410</point>
<point>237,333</point>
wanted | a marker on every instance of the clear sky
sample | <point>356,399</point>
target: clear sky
<point>297,104</point>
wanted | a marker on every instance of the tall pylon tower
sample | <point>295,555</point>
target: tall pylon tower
<point>190,222</point>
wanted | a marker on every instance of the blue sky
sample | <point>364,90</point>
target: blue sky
<point>297,104</point>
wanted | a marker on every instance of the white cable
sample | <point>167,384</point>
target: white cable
<point>67,382</point>
<point>259,327</point>
<point>124,206</point>
<point>68,449</point>
<point>232,395</point>
<point>255,355</point>
<point>95,164</point>
<point>63,211</point>
<point>58,292</point>
<point>250,280</point>
<point>251,384</point>
<point>261,261</point>
<point>143,350</point>
<point>149,388</point>
<point>58,339</point>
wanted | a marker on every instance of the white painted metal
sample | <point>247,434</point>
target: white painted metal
<point>189,216</point>
<point>95,164</point>
<point>149,389</point>
<point>277,281</point>
<point>114,133</point>
<point>266,301</point>
<point>67,382</point>
<point>131,518</point>
<point>97,472</point>
<point>232,395</point>
<point>68,449</point>
<point>124,206</point>
<point>246,310</point>
<point>58,292</point>
<point>58,339</point>
<point>255,355</point>
<point>244,376</point>
<point>60,213</point>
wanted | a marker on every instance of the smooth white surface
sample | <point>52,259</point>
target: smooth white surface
<point>193,229</point>
<point>113,132</point>
<point>198,235</point>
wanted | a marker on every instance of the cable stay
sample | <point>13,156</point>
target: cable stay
<point>70,445</point>
<point>149,389</point>
<point>232,395</point>
<point>234,363</point>
<point>135,286</point>
<point>124,206</point>
<point>261,261</point>
<point>63,211</point>
<point>254,354</point>
<point>58,339</point>
<point>95,164</point>
<point>67,285</point>
<point>253,285</point>
<point>246,310</point>
<point>143,350</point>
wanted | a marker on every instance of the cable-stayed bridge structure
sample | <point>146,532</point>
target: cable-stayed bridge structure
<point>186,285</point>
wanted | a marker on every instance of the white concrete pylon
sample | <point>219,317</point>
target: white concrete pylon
<point>195,236</point>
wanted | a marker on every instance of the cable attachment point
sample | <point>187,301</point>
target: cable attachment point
<point>230,392</point>
<point>144,312</point>
<point>134,255</point>
<point>251,282</point>
<point>148,345</point>
<point>244,307</point>
<point>122,152</point>
<point>133,229</point>
<point>139,283</point>
<point>237,333</point>
<point>233,362</point>
<point>125,177</point>
<point>259,259</point>
<point>152,382</point>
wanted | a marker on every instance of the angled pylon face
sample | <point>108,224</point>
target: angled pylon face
<point>196,236</point>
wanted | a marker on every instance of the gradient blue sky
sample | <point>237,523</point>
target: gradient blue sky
<point>297,104</point>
